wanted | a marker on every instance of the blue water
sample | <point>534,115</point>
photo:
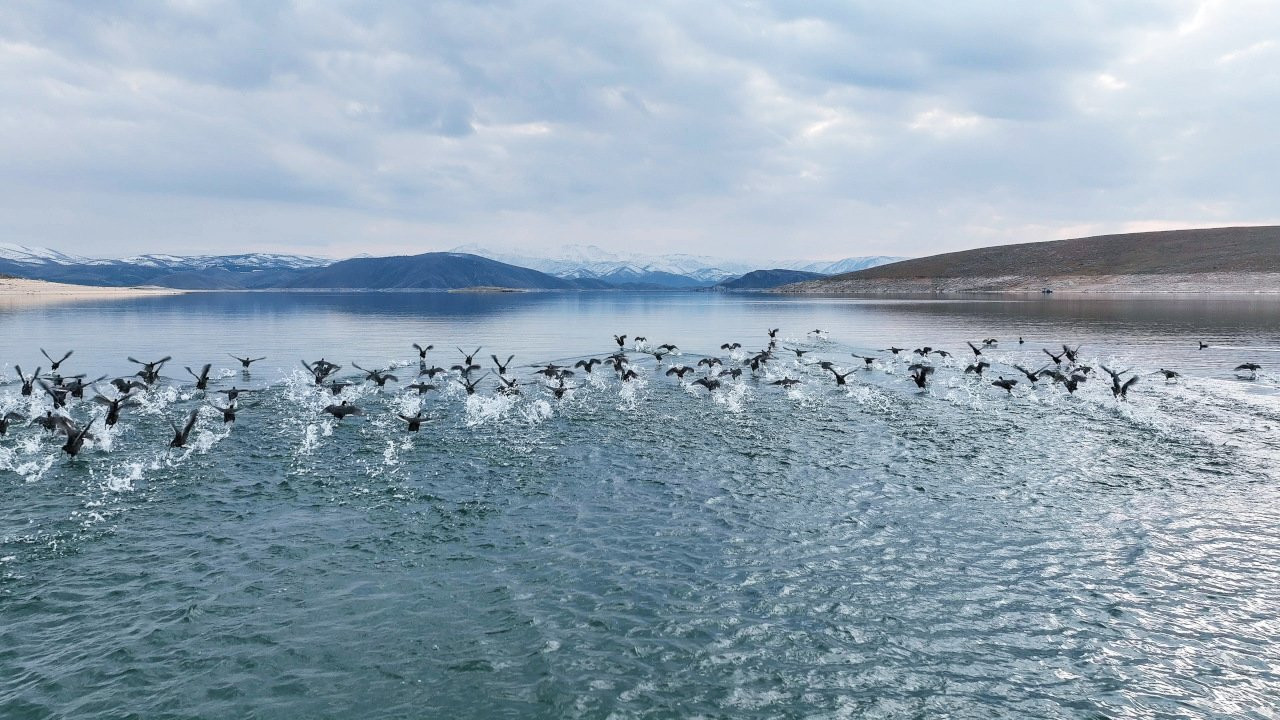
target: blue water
<point>648,548</point>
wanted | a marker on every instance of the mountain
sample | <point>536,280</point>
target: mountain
<point>766,279</point>
<point>430,271</point>
<point>197,272</point>
<point>659,271</point>
<point>1240,259</point>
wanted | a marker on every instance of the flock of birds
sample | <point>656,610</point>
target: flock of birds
<point>1063,367</point>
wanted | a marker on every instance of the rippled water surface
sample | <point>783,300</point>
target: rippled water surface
<point>647,548</point>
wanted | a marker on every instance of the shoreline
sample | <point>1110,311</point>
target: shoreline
<point>1229,283</point>
<point>14,288</point>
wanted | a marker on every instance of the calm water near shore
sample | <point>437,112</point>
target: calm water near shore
<point>645,548</point>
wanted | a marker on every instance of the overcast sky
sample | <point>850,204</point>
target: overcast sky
<point>806,129</point>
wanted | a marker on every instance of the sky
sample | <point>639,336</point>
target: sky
<point>810,129</point>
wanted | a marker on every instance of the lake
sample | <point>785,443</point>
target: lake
<point>647,548</point>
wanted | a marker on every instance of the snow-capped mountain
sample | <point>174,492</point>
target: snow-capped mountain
<point>589,261</point>
<point>234,263</point>
<point>37,255</point>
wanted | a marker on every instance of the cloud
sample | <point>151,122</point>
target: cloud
<point>738,128</point>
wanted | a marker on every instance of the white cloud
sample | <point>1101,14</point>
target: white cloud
<point>739,128</point>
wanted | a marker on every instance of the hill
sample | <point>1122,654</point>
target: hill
<point>767,279</point>
<point>1233,259</point>
<point>429,271</point>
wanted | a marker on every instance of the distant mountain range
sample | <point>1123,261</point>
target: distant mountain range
<point>573,267</point>
<point>766,279</point>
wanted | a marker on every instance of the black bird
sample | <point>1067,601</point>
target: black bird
<point>709,383</point>
<point>415,422</point>
<point>321,369</point>
<point>431,372</point>
<point>127,385</point>
<point>1057,359</point>
<point>629,375</point>
<point>735,373</point>
<point>620,339</point>
<point>799,353</point>
<point>1073,383</point>
<point>1251,368</point>
<point>679,371</point>
<point>773,333</point>
<point>786,382</point>
<point>471,359</point>
<point>976,350</point>
<point>1169,375</point>
<point>8,418</point>
<point>150,371</point>
<point>552,370</point>
<point>825,364</point>
<point>922,351</point>
<point>617,360</point>
<point>470,384</point>
<point>1071,352</point>
<point>709,361</point>
<point>228,412</point>
<point>233,393</point>
<point>990,342</point>
<point>1033,376</point>
<point>658,355</point>
<point>56,363</point>
<point>75,436</point>
<point>866,360</point>
<point>560,389</point>
<point>1121,390</point>
<point>640,340</point>
<point>202,378</point>
<point>1020,340</point>
<point>27,383</point>
<point>502,366</point>
<point>942,353</point>
<point>894,350</point>
<point>731,346</point>
<point>77,385</point>
<point>1115,376</point>
<point>1006,385</point>
<point>180,435</point>
<point>840,379</point>
<point>420,387</point>
<point>668,347</point>
<point>590,364</point>
<point>977,367</point>
<point>245,362</point>
<point>510,386</point>
<point>342,410</point>
<point>378,376</point>
<point>1203,344</point>
<point>920,374</point>
<point>58,394</point>
<point>336,387</point>
<point>113,406</point>
<point>422,351</point>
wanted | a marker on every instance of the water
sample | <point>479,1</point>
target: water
<point>644,549</point>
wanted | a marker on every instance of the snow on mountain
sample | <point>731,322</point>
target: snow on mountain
<point>849,264</point>
<point>37,255</point>
<point>235,263</point>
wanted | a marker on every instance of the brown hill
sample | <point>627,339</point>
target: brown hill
<point>1125,262</point>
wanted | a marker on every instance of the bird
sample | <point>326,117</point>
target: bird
<point>420,387</point>
<point>228,412</point>
<point>628,375</point>
<point>180,435</point>
<point>431,372</point>
<point>342,410</point>
<point>422,351</point>
<point>56,363</point>
<point>1020,340</point>
<point>1071,352</point>
<point>1032,376</point>
<point>150,371</point>
<point>799,353</point>
<point>552,371</point>
<point>894,350</point>
<point>77,385</point>
<point>464,370</point>
<point>786,382</point>
<point>1169,375</point>
<point>976,350</point>
<point>922,351</point>
<point>709,361</point>
<point>76,436</point>
<point>1121,390</point>
<point>668,348</point>
<point>470,384</point>
<point>321,369</point>
<point>867,360</point>
<point>920,374</point>
<point>1072,383</point>
<point>114,406</point>
<point>731,346</point>
<point>620,339</point>
<point>415,421</point>
<point>773,333</point>
<point>7,418</point>
<point>977,367</point>
<point>510,386</point>
<point>709,383</point>
<point>471,359</point>
<point>245,362</point>
<point>942,353</point>
<point>502,366</point>
<point>1006,385</point>
<point>1057,359</point>
<point>27,383</point>
<point>233,393</point>
<point>59,394</point>
<point>679,371</point>
<point>126,385</point>
<point>336,387</point>
<point>1249,367</point>
<point>588,365</point>
<point>560,389</point>
<point>840,379</point>
<point>380,377</point>
<point>1203,344</point>
<point>202,378</point>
